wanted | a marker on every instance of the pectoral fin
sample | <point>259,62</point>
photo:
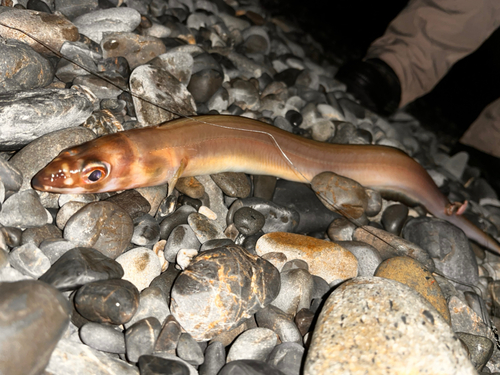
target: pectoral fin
<point>178,173</point>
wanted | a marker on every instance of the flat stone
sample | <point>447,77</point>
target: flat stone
<point>53,29</point>
<point>27,115</point>
<point>326,259</point>
<point>163,89</point>
<point>447,245</point>
<point>80,266</point>
<point>22,68</point>
<point>388,314</point>
<point>137,49</point>
<point>71,357</point>
<point>95,24</point>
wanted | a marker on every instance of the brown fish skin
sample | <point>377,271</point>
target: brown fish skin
<point>204,145</point>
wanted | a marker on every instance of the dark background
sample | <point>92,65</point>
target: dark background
<point>346,28</point>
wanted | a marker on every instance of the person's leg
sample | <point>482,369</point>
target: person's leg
<point>484,133</point>
<point>420,45</point>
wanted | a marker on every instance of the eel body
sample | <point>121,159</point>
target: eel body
<point>213,144</point>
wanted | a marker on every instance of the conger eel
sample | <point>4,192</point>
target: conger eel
<point>204,145</point>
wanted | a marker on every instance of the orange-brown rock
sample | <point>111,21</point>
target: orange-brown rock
<point>411,273</point>
<point>326,259</point>
<point>52,29</point>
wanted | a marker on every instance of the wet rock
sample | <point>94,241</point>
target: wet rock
<point>303,320</point>
<point>233,184</point>
<point>26,306</point>
<point>66,211</point>
<point>189,350</point>
<point>37,235</point>
<point>72,9</point>
<point>95,24</point>
<point>204,228</point>
<point>314,216</point>
<point>368,257</point>
<point>11,178</point>
<point>447,245</point>
<point>22,68</point>
<point>411,273</point>
<point>480,348</point>
<point>216,199</point>
<point>27,115</point>
<point>140,265</point>
<point>140,338</point>
<point>146,231</point>
<point>254,344</point>
<point>152,365</point>
<point>295,292</point>
<point>153,304</point>
<point>394,217</point>
<point>24,209</point>
<point>103,226</point>
<point>154,195</point>
<point>137,49</point>
<point>71,357</point>
<point>341,230</point>
<point>163,89</point>
<point>182,237</point>
<point>276,320</point>
<point>204,84</point>
<point>103,338</point>
<point>248,221</point>
<point>55,248</point>
<point>53,29</point>
<point>178,217</point>
<point>390,245</point>
<point>80,266</point>
<point>252,285</point>
<point>249,367</point>
<point>287,357</point>
<point>340,194</point>
<point>177,63</point>
<point>264,186</point>
<point>325,259</point>
<point>107,301</point>
<point>191,187</point>
<point>29,260</point>
<point>215,359</point>
<point>169,337</point>
<point>425,341</point>
<point>278,218</point>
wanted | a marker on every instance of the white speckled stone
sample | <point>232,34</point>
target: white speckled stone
<point>372,325</point>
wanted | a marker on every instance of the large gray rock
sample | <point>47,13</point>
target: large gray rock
<point>380,326</point>
<point>33,318</point>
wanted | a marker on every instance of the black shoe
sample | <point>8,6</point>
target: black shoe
<point>373,83</point>
<point>488,164</point>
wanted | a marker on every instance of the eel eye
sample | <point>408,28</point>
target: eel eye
<point>94,172</point>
